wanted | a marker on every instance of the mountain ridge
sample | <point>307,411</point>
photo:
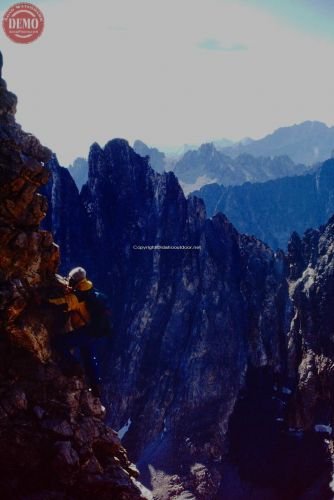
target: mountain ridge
<point>190,328</point>
<point>274,209</point>
<point>211,165</point>
<point>307,142</point>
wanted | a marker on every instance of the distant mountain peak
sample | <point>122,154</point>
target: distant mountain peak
<point>207,147</point>
<point>157,159</point>
<point>307,142</point>
<point>207,164</point>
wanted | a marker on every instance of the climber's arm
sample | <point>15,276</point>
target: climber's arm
<point>70,300</point>
<point>58,301</point>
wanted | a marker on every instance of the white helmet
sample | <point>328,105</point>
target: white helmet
<point>77,274</point>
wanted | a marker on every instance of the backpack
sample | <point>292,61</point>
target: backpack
<point>100,313</point>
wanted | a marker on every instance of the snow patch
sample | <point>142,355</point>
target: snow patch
<point>121,433</point>
<point>308,278</point>
<point>331,484</point>
<point>188,442</point>
<point>323,428</point>
<point>274,398</point>
<point>296,432</point>
<point>201,181</point>
<point>144,491</point>
<point>164,430</point>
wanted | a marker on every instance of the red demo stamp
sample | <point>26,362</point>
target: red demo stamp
<point>23,22</point>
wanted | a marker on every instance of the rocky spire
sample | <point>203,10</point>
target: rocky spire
<point>53,442</point>
<point>28,256</point>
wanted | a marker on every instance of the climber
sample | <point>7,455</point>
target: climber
<point>88,321</point>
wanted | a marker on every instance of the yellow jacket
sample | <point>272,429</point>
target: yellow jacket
<point>78,312</point>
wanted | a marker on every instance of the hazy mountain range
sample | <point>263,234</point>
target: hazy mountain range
<point>308,142</point>
<point>206,165</point>
<point>79,171</point>
<point>273,210</point>
<point>287,151</point>
<point>157,159</point>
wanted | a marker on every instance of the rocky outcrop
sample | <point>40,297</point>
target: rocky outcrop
<point>311,342</point>
<point>208,164</point>
<point>53,441</point>
<point>273,210</point>
<point>28,255</point>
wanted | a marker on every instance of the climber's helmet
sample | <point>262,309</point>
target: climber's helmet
<point>76,275</point>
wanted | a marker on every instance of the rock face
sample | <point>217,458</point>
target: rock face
<point>311,341</point>
<point>273,210</point>
<point>188,323</point>
<point>207,164</point>
<point>308,142</point>
<point>208,338</point>
<point>66,217</point>
<point>197,331</point>
<point>53,441</point>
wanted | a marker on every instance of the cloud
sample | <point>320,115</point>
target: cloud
<point>216,45</point>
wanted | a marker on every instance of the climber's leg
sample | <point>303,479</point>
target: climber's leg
<point>64,344</point>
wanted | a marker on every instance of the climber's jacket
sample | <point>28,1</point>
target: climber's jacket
<point>76,305</point>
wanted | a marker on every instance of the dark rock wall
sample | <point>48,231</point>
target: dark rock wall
<point>311,347</point>
<point>66,218</point>
<point>53,441</point>
<point>189,325</point>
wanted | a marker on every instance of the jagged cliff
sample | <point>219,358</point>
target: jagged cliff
<point>188,323</point>
<point>311,340</point>
<point>190,319</point>
<point>53,440</point>
<point>208,369</point>
<point>66,217</point>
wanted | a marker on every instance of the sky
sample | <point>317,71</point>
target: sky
<point>171,72</point>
